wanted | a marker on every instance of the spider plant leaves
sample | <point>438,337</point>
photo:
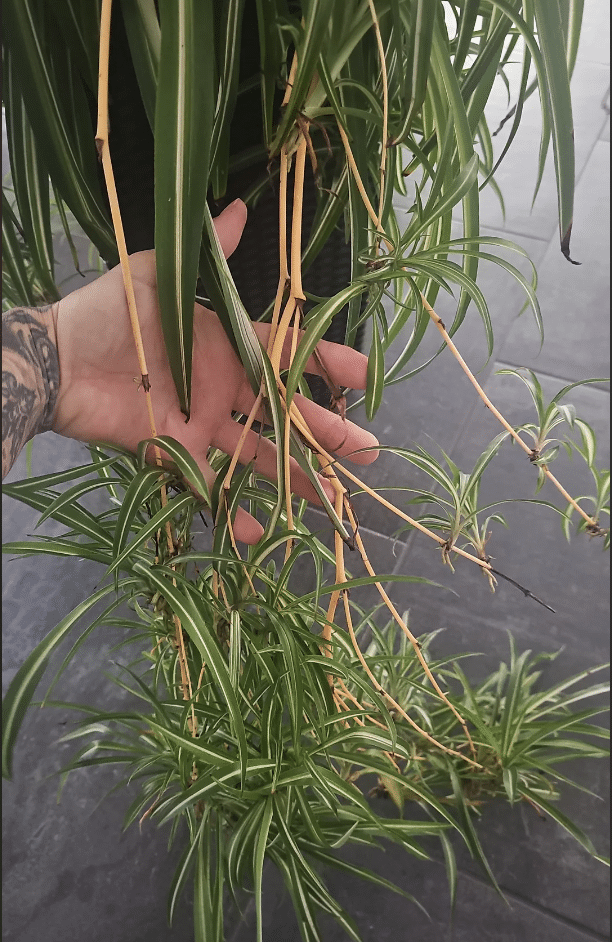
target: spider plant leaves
<point>465,151</point>
<point>175,805</point>
<point>144,38</point>
<point>184,110</point>
<point>559,817</point>
<point>31,185</point>
<point>229,64</point>
<point>465,33</point>
<point>450,864</point>
<point>58,118</point>
<point>218,281</point>
<point>418,61</point>
<point>552,698</point>
<point>74,516</point>
<point>12,258</point>
<point>153,525</point>
<point>181,873</point>
<point>202,901</point>
<point>469,831</point>
<point>142,486</point>
<point>188,467</point>
<point>269,13</point>
<point>309,45</point>
<point>552,43</point>
<point>193,747</point>
<point>589,441</point>
<point>258,860</point>
<point>316,323</point>
<point>195,625</point>
<point>375,373</point>
<point>70,496</point>
<point>25,681</point>
<point>461,185</point>
<point>58,547</point>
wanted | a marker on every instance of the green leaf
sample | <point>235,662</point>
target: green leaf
<point>259,852</point>
<point>559,817</point>
<point>154,524</point>
<point>31,184</point>
<point>375,373</point>
<point>144,37</point>
<point>44,74</point>
<point>552,44</point>
<point>194,623</point>
<point>23,685</point>
<point>184,112</point>
<point>469,831</point>
<point>187,465</point>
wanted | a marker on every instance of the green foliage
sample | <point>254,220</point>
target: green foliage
<point>272,770</point>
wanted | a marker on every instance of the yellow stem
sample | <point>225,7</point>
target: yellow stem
<point>388,696</point>
<point>400,621</point>
<point>109,177</point>
<point>287,436</point>
<point>385,90</point>
<point>296,223</point>
<point>440,325</point>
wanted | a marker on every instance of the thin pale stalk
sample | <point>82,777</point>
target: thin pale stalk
<point>551,477</point>
<point>385,91</point>
<point>296,223</point>
<point>287,434</point>
<point>109,177</point>
<point>387,696</point>
<point>440,325</point>
<point>400,621</point>
<point>331,462</point>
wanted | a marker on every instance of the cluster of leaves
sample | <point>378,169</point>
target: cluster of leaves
<point>26,278</point>
<point>258,761</point>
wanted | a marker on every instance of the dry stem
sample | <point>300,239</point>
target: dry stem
<point>440,325</point>
<point>104,154</point>
<point>400,621</point>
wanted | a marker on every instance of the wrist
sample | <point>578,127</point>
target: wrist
<point>30,377</point>
<point>44,339</point>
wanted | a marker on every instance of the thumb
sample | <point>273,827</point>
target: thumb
<point>229,225</point>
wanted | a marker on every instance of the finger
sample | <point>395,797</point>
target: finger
<point>229,225</point>
<point>264,455</point>
<point>343,365</point>
<point>336,434</point>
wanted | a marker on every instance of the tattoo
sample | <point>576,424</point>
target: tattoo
<point>30,378</point>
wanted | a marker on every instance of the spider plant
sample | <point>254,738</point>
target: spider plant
<point>257,706</point>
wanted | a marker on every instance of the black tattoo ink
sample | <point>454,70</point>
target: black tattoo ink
<point>30,379</point>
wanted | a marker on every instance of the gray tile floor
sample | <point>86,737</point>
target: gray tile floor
<point>69,872</point>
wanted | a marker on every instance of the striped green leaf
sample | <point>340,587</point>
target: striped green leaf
<point>552,43</point>
<point>184,110</point>
<point>25,681</point>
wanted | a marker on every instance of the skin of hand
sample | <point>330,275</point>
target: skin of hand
<point>99,400</point>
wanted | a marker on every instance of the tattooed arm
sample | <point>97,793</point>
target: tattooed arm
<point>30,377</point>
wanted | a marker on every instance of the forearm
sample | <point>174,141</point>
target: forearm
<point>30,377</point>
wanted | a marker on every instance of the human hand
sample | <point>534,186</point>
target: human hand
<point>99,372</point>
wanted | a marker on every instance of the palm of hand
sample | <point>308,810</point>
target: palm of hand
<point>100,400</point>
